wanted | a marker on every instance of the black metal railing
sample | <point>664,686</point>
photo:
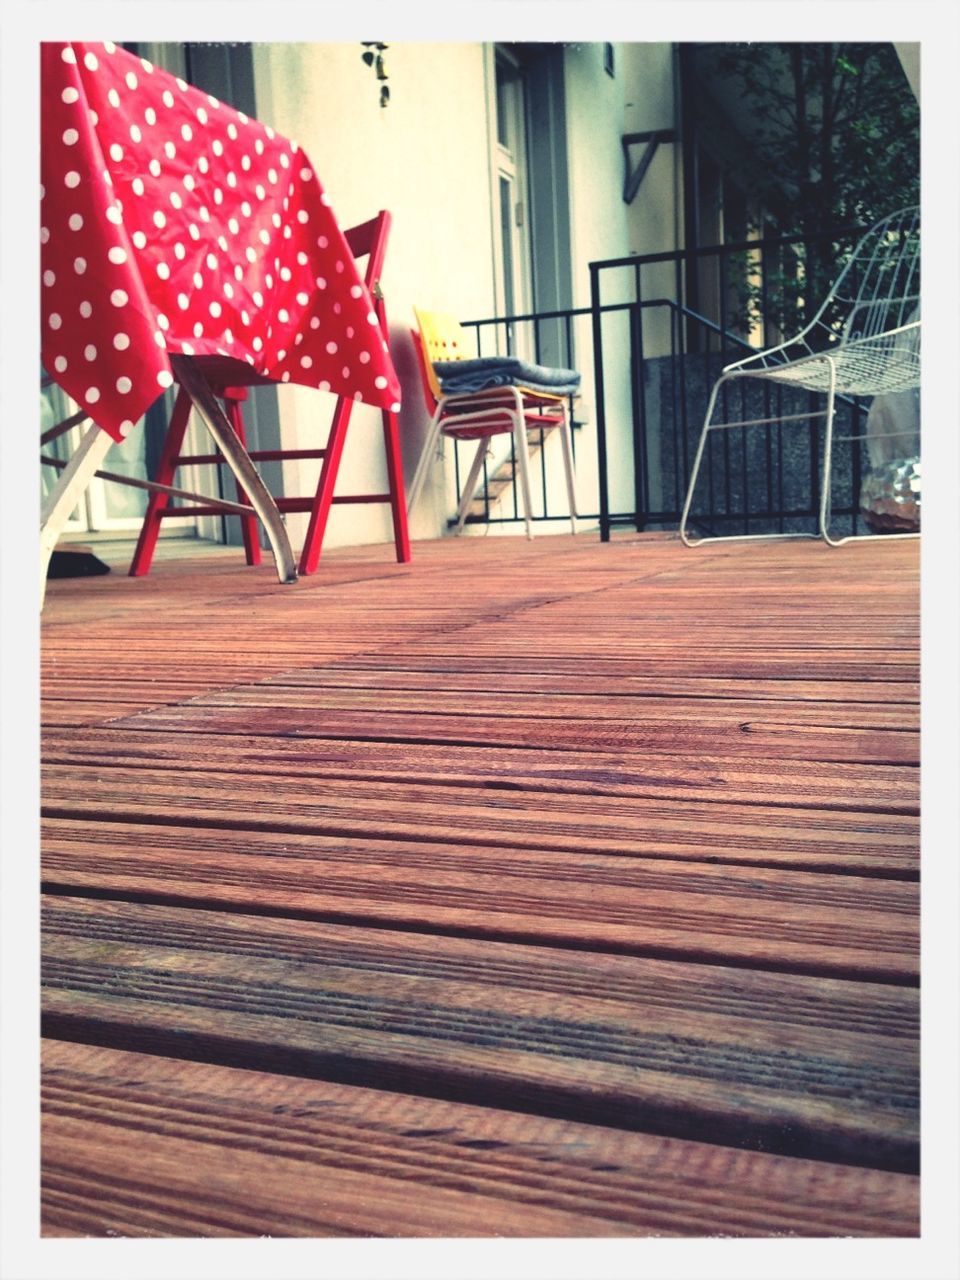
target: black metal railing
<point>650,347</point>
<point>663,354</point>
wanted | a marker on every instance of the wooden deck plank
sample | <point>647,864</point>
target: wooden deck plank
<point>248,1153</point>
<point>626,826</point>
<point>790,921</point>
<point>709,735</point>
<point>798,783</point>
<point>554,836</point>
<point>612,1040</point>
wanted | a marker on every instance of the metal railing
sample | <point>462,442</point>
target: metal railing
<point>767,481</point>
<point>650,354</point>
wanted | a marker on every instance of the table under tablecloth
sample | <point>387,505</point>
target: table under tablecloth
<point>172,224</point>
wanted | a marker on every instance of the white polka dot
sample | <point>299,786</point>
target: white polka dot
<point>121,341</point>
<point>258,146</point>
<point>138,187</point>
<point>60,364</point>
<point>188,181</point>
<point>92,395</point>
<point>231,179</point>
<point>49,278</point>
<point>303,216</point>
<point>198,279</point>
<point>186,133</point>
<point>71,178</point>
<point>314,323</point>
<point>119,298</point>
<point>356,291</point>
<point>69,95</point>
<point>159,219</point>
<point>169,150</point>
<point>159,339</point>
<point>117,256</point>
<point>198,330</point>
<point>380,382</point>
<point>186,348</point>
<point>109,46</point>
<point>285,376</point>
<point>167,98</point>
<point>147,66</point>
<point>245,317</point>
<point>283,315</point>
<point>261,191</point>
<point>68,55</point>
<point>176,200</point>
<point>202,115</point>
<point>116,152</point>
<point>215,309</point>
<point>70,137</point>
<point>131,80</point>
<point>372,317</point>
<point>233,226</point>
<point>113,98</point>
<point>139,240</point>
<point>264,236</point>
<point>114,215</point>
<point>135,134</point>
<point>320,282</point>
<point>75,221</point>
<point>86,310</point>
<point>164,378</point>
<point>204,213</point>
<point>183,302</point>
<point>245,163</point>
<point>179,251</point>
<point>79,265</point>
<point>228,336</point>
<point>357,396</point>
<point>182,84</point>
<point>258,298</point>
<point>303,299</point>
<point>124,385</point>
<point>163,271</point>
<point>162,320</point>
<point>257,343</point>
<point>232,131</point>
<point>194,231</point>
<point>150,116</point>
<point>203,164</point>
<point>126,426</point>
<point>364,357</point>
<point>306,362</point>
<point>324,386</point>
<point>90,61</point>
<point>214,102</point>
<point>395,407</point>
<point>217,147</point>
<point>217,196</point>
<point>154,167</point>
<point>90,352</point>
<point>250,254</point>
<point>331,347</point>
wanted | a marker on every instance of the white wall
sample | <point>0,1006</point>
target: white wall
<point>425,158</point>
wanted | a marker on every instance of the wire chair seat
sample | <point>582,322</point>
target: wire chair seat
<point>863,341</point>
<point>865,367</point>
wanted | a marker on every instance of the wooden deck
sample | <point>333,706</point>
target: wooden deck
<point>550,889</point>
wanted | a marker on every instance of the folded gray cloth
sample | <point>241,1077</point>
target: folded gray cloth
<point>458,377</point>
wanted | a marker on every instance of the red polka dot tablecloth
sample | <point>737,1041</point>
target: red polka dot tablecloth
<point>172,224</point>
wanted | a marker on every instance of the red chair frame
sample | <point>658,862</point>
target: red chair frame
<point>229,380</point>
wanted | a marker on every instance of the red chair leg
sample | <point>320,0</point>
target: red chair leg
<point>248,524</point>
<point>158,502</point>
<point>398,504</point>
<point>320,510</point>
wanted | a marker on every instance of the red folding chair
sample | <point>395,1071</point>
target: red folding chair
<point>229,380</point>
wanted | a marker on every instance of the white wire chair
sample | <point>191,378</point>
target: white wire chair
<point>864,341</point>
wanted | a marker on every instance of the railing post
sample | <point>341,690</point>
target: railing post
<point>601,413</point>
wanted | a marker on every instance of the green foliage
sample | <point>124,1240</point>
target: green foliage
<point>833,131</point>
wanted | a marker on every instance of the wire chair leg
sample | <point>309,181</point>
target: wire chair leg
<point>523,458</point>
<point>688,501</point>
<point>567,446</point>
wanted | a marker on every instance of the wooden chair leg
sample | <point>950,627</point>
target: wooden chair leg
<point>320,510</point>
<point>248,524</point>
<point>398,502</point>
<point>166,469</point>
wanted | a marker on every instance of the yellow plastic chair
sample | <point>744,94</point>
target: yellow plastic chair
<point>478,415</point>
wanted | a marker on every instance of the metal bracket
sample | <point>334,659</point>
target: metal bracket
<point>653,138</point>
